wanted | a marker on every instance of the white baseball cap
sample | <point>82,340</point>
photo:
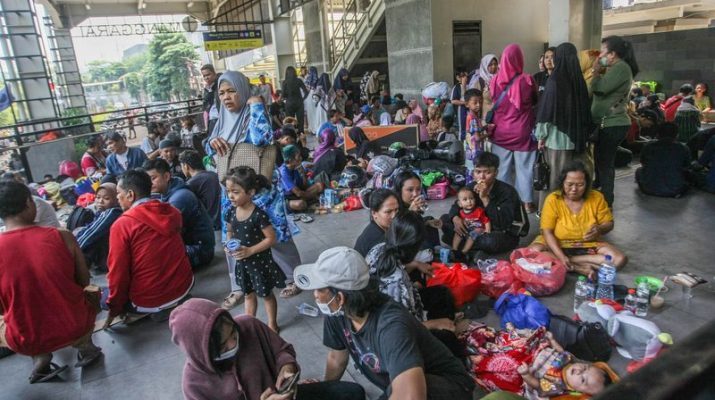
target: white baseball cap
<point>340,268</point>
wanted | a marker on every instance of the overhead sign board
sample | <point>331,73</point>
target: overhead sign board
<point>235,40</point>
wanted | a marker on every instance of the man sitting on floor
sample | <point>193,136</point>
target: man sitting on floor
<point>147,270</point>
<point>93,239</point>
<point>204,184</point>
<point>169,152</point>
<point>123,158</point>
<point>387,344</point>
<point>198,232</point>
<point>43,307</point>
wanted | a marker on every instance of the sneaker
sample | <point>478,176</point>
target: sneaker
<point>696,166</point>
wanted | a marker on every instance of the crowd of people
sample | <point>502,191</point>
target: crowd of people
<point>160,209</point>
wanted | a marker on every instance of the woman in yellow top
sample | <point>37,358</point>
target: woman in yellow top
<point>572,222</point>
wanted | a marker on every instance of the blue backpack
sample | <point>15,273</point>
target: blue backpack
<point>522,311</point>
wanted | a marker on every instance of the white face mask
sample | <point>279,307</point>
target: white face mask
<point>325,309</point>
<point>229,353</point>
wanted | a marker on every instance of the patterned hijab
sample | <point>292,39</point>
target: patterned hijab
<point>327,142</point>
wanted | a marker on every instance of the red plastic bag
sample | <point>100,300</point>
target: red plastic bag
<point>352,203</point>
<point>84,200</point>
<point>463,282</point>
<point>541,284</point>
<point>499,280</point>
<point>70,168</point>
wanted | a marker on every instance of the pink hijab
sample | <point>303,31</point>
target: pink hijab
<point>327,142</point>
<point>416,109</point>
<point>512,63</point>
<point>413,119</point>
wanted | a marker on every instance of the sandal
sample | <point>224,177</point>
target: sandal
<point>290,290</point>
<point>51,372</point>
<point>306,218</point>
<point>85,360</point>
<point>232,300</point>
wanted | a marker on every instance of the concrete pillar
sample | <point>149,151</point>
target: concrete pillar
<point>67,69</point>
<point>282,32</point>
<point>32,76</point>
<point>409,45</point>
<point>315,35</point>
<point>575,21</point>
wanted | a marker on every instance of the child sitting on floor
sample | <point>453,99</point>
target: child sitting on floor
<point>556,372</point>
<point>256,272</point>
<point>294,183</point>
<point>475,220</point>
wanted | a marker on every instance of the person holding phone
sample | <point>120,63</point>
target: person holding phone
<point>240,357</point>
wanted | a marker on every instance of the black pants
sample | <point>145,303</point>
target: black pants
<point>296,110</point>
<point>492,243</point>
<point>330,390</point>
<point>441,388</point>
<point>199,254</point>
<point>698,141</point>
<point>608,141</point>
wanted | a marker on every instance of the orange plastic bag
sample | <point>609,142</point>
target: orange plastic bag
<point>463,282</point>
<point>538,284</point>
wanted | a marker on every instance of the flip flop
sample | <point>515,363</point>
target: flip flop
<point>232,300</point>
<point>83,361</point>
<point>54,370</point>
<point>290,291</point>
<point>306,218</point>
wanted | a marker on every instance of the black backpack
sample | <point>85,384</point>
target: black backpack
<point>79,217</point>
<point>585,340</point>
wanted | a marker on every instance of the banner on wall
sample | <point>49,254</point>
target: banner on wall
<point>384,136</point>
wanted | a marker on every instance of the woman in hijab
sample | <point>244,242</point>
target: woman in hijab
<point>414,119</point>
<point>295,93</point>
<point>311,83</point>
<point>563,120</point>
<point>364,149</point>
<point>232,127</point>
<point>363,87</point>
<point>373,85</point>
<point>434,120</point>
<point>324,97</point>
<point>513,122</point>
<point>487,71</point>
<point>326,157</point>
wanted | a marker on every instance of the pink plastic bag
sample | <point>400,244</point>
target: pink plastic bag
<point>544,283</point>
<point>499,280</point>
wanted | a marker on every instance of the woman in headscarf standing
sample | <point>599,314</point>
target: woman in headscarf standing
<point>563,120</point>
<point>324,98</point>
<point>344,93</point>
<point>311,83</point>
<point>373,85</point>
<point>234,91</point>
<point>514,95</point>
<point>610,104</point>
<point>295,93</point>
<point>482,78</point>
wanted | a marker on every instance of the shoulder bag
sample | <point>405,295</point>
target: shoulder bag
<point>489,118</point>
<point>261,159</point>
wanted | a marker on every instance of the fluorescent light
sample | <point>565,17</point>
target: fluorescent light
<point>87,6</point>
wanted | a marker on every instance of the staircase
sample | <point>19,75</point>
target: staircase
<point>358,39</point>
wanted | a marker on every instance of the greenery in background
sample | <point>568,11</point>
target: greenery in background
<point>166,73</point>
<point>6,117</point>
<point>104,71</point>
<point>74,112</point>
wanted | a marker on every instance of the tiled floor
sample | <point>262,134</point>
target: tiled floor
<point>660,236</point>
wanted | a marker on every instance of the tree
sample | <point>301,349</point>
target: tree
<point>166,72</point>
<point>134,83</point>
<point>103,71</point>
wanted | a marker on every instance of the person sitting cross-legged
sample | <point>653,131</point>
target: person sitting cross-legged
<point>198,231</point>
<point>43,306</point>
<point>148,271</point>
<point>665,162</point>
<point>203,183</point>
<point>93,239</point>
<point>122,158</point>
<point>293,182</point>
<point>387,344</point>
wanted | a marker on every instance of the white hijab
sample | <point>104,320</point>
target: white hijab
<point>483,72</point>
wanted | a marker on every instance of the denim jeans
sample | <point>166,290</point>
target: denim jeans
<point>608,141</point>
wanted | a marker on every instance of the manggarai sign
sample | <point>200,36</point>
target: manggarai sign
<point>131,29</point>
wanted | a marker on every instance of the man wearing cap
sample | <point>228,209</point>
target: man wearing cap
<point>93,239</point>
<point>169,152</point>
<point>123,158</point>
<point>389,346</point>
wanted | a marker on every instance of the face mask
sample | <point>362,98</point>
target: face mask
<point>325,309</point>
<point>603,61</point>
<point>227,354</point>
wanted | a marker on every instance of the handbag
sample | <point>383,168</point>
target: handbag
<point>489,118</point>
<point>261,159</point>
<point>585,340</point>
<point>542,172</point>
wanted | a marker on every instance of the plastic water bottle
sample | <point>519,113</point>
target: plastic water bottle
<point>631,301</point>
<point>606,278</point>
<point>643,297</point>
<point>590,289</point>
<point>580,294</point>
<point>307,309</point>
<point>233,245</point>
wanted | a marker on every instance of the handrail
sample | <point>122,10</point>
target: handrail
<point>347,25</point>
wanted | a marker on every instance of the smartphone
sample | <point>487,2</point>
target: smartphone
<point>289,384</point>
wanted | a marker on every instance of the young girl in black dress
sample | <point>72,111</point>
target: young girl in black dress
<point>256,272</point>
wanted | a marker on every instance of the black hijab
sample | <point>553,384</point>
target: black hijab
<point>362,144</point>
<point>565,101</point>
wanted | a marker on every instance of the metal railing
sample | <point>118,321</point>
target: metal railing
<point>342,31</point>
<point>29,134</point>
